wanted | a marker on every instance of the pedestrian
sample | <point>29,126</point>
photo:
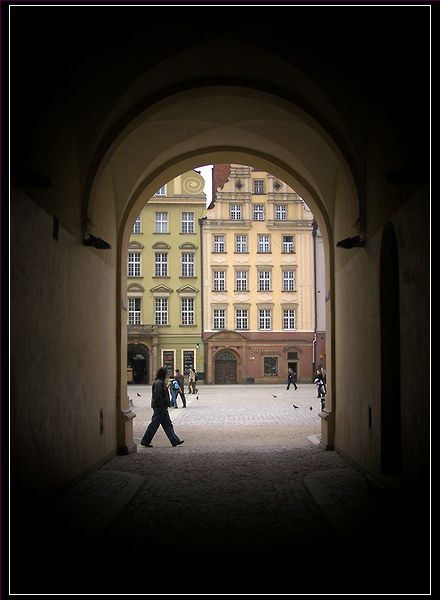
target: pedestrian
<point>174,389</point>
<point>291,379</point>
<point>181,381</point>
<point>320,383</point>
<point>160,402</point>
<point>191,381</point>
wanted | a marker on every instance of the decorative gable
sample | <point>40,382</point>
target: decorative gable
<point>188,290</point>
<point>161,246</point>
<point>188,246</point>
<point>135,246</point>
<point>135,287</point>
<point>161,291</point>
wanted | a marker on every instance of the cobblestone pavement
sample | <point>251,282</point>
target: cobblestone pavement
<point>248,504</point>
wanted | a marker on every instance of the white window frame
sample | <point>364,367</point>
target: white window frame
<point>219,318</point>
<point>161,264</point>
<point>258,187</point>
<point>241,319</point>
<point>264,243</point>
<point>187,311</point>
<point>289,280</point>
<point>241,281</point>
<point>258,212</point>
<point>265,319</point>
<point>187,225</point>
<point>289,318</point>
<point>161,222</point>
<point>264,280</point>
<point>134,265</point>
<point>241,243</point>
<point>219,244</point>
<point>188,264</point>
<point>134,311</point>
<point>288,246</point>
<point>219,280</point>
<point>162,191</point>
<point>137,225</point>
<point>161,311</point>
<point>281,212</point>
<point>235,212</point>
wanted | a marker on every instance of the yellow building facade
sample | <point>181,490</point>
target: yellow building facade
<point>164,275</point>
<point>259,291</point>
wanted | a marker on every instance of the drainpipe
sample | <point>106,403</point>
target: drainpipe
<point>202,304</point>
<point>314,234</point>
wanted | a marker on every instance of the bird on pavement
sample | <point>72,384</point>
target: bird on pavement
<point>311,408</point>
<point>295,406</point>
<point>137,394</point>
<point>274,396</point>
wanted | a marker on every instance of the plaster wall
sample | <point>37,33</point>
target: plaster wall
<point>63,353</point>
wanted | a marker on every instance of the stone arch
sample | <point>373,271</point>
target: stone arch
<point>296,147</point>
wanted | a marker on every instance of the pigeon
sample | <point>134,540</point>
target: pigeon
<point>274,396</point>
<point>311,408</point>
<point>137,394</point>
<point>295,406</point>
<point>197,397</point>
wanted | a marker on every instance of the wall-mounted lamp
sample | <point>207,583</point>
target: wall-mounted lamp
<point>351,242</point>
<point>197,346</point>
<point>96,242</point>
<point>252,358</point>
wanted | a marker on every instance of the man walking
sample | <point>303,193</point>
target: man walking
<point>291,378</point>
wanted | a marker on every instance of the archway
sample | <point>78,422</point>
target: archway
<point>390,411</point>
<point>225,367</point>
<point>138,361</point>
<point>294,151</point>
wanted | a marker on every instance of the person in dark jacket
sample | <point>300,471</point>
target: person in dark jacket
<point>181,381</point>
<point>291,379</point>
<point>160,402</point>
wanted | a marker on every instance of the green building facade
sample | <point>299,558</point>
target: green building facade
<point>164,282</point>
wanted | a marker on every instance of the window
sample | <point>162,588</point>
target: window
<point>187,313</point>
<point>219,318</point>
<point>289,320</point>
<point>187,222</point>
<point>258,212</point>
<point>270,366</point>
<point>288,243</point>
<point>134,311</point>
<point>160,264</point>
<point>289,281</point>
<point>137,225</point>
<point>264,281</point>
<point>241,318</point>
<point>219,281</point>
<point>258,186</point>
<point>161,222</point>
<point>241,243</point>
<point>235,212</point>
<point>280,212</point>
<point>187,264</point>
<point>162,191</point>
<point>161,311</point>
<point>265,318</point>
<point>134,264</point>
<point>264,243</point>
<point>219,243</point>
<point>241,281</point>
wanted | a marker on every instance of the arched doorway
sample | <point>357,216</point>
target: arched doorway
<point>225,367</point>
<point>390,407</point>
<point>138,361</point>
